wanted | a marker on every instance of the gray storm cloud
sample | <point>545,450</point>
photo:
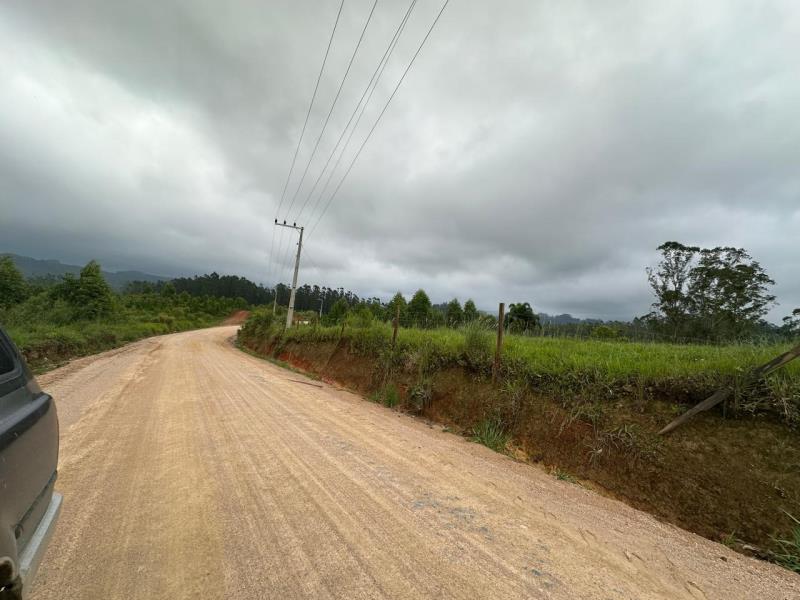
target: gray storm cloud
<point>536,151</point>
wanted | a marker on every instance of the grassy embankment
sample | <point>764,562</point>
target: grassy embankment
<point>590,410</point>
<point>48,333</point>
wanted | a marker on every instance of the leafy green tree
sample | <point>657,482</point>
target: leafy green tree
<point>729,292</point>
<point>13,288</point>
<point>470,311</point>
<point>454,314</point>
<point>391,308</point>
<point>791,324</point>
<point>338,312</point>
<point>717,293</point>
<point>361,317</point>
<point>669,282</point>
<point>520,318</point>
<point>89,294</point>
<point>419,309</point>
<point>168,290</point>
<point>377,309</point>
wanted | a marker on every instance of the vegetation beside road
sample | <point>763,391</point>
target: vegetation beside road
<point>588,370</point>
<point>75,316</point>
<point>589,410</point>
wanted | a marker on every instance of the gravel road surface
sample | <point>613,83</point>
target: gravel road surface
<point>192,470</point>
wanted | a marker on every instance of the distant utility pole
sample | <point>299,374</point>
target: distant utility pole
<point>290,312</point>
<point>321,303</point>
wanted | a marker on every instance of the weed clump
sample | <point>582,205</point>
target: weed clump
<point>477,345</point>
<point>389,396</point>
<point>420,394</point>
<point>788,555</point>
<point>491,434</point>
<point>564,476</point>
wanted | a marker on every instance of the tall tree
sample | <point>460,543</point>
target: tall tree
<point>391,309</point>
<point>521,318</point>
<point>791,324</point>
<point>338,312</point>
<point>670,281</point>
<point>470,311</point>
<point>89,294</point>
<point>718,293</point>
<point>419,309</point>
<point>729,291</point>
<point>13,288</point>
<point>454,314</point>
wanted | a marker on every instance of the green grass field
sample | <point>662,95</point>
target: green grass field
<point>592,369</point>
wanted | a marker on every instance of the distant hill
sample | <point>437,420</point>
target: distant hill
<point>564,319</point>
<point>33,267</point>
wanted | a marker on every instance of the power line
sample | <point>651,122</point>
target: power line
<point>366,139</point>
<point>333,105</point>
<point>377,73</point>
<point>353,130</point>
<point>285,253</point>
<point>305,123</point>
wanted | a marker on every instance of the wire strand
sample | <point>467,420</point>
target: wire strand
<point>376,73</point>
<point>285,253</point>
<point>302,133</point>
<point>333,105</point>
<point>366,139</point>
<point>350,136</point>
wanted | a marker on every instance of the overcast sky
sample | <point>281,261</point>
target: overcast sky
<point>537,150</point>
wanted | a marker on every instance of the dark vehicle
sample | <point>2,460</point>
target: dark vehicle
<point>29,506</point>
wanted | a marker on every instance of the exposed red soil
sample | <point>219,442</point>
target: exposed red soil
<point>237,318</point>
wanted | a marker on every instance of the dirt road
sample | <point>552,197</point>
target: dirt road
<point>192,470</point>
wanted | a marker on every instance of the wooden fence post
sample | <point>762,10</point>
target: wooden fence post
<point>396,325</point>
<point>499,349</point>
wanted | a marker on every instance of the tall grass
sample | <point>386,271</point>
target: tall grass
<point>788,554</point>
<point>491,434</point>
<point>587,369</point>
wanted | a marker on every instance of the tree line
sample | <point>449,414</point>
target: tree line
<point>718,294</point>
<point>701,294</point>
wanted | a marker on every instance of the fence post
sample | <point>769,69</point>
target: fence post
<point>496,367</point>
<point>396,324</point>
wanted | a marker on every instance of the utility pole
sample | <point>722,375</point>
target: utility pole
<point>290,312</point>
<point>275,301</point>
<point>321,302</point>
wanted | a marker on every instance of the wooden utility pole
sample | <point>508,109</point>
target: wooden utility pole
<point>501,315</point>
<point>396,324</point>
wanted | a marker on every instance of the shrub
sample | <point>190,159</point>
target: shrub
<point>361,318</point>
